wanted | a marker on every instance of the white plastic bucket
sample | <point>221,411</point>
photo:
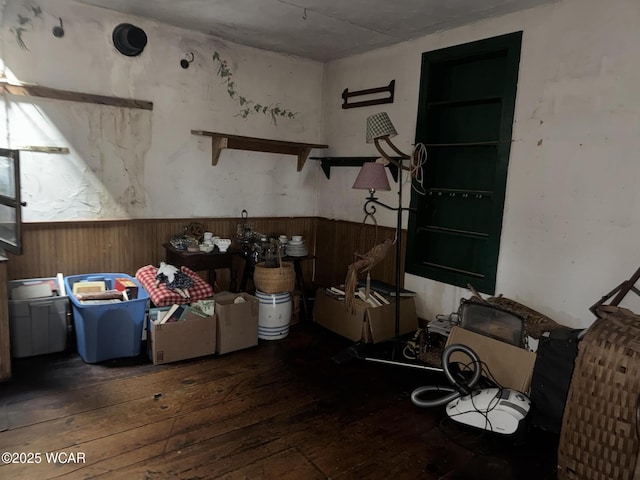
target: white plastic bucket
<point>274,315</point>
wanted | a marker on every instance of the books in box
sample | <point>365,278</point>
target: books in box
<point>178,313</point>
<point>386,288</point>
<point>126,285</point>
<point>193,336</point>
<point>366,323</point>
<point>89,287</point>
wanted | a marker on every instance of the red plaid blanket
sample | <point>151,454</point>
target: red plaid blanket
<point>161,296</point>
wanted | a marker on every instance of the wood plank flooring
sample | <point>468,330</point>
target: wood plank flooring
<point>281,410</point>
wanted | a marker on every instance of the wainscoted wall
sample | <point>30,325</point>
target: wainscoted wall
<point>338,241</point>
<point>124,246</point>
<point>5,349</point>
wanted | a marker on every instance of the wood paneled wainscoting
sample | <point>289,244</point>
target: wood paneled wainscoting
<point>5,355</point>
<point>124,246</point>
<point>337,243</point>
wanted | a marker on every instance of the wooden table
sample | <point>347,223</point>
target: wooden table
<point>198,261</point>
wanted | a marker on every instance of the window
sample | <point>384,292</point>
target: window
<point>10,215</point>
<point>465,117</point>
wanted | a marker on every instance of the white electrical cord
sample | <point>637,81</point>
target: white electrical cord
<point>416,166</point>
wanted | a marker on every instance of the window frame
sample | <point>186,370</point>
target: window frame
<point>13,202</point>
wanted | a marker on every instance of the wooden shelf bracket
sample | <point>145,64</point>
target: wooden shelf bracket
<point>220,141</point>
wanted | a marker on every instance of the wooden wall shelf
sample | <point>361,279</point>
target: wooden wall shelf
<point>327,162</point>
<point>30,90</point>
<point>236,142</point>
<point>39,149</point>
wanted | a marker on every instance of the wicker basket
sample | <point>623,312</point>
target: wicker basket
<point>599,437</point>
<point>274,280</point>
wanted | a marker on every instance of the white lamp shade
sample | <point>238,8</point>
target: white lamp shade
<point>378,126</point>
<point>372,176</point>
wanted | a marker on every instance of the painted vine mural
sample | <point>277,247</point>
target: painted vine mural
<point>248,106</point>
<point>24,23</point>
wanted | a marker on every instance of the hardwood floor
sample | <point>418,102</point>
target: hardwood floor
<point>282,410</point>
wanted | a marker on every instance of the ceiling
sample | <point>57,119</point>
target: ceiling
<point>318,29</point>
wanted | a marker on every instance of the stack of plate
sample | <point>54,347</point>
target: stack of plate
<point>297,248</point>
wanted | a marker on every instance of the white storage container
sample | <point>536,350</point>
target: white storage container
<point>37,324</point>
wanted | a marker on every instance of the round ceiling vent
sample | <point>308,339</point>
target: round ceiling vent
<point>129,40</point>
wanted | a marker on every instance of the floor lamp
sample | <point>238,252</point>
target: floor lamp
<point>373,177</point>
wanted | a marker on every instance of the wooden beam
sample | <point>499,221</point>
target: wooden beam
<point>30,90</point>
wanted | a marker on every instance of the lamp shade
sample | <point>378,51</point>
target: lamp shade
<point>372,176</point>
<point>379,125</point>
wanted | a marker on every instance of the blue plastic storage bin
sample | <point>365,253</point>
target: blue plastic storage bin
<point>110,330</point>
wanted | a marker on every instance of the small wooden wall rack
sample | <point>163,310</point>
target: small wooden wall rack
<point>346,95</point>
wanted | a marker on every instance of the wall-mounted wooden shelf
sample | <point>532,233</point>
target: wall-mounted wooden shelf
<point>39,149</point>
<point>236,142</point>
<point>327,162</point>
<point>31,90</point>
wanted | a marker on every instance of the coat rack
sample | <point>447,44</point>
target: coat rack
<point>346,95</point>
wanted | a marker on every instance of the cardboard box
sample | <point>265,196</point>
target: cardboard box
<point>511,366</point>
<point>195,336</point>
<point>237,322</point>
<point>366,323</point>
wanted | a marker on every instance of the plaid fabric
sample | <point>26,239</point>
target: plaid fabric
<point>161,296</point>
<point>379,125</point>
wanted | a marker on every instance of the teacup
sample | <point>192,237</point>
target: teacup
<point>296,238</point>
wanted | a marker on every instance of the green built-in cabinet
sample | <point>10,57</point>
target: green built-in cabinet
<point>465,117</point>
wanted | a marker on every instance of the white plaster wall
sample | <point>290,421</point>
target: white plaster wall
<point>571,220</point>
<point>129,163</point>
